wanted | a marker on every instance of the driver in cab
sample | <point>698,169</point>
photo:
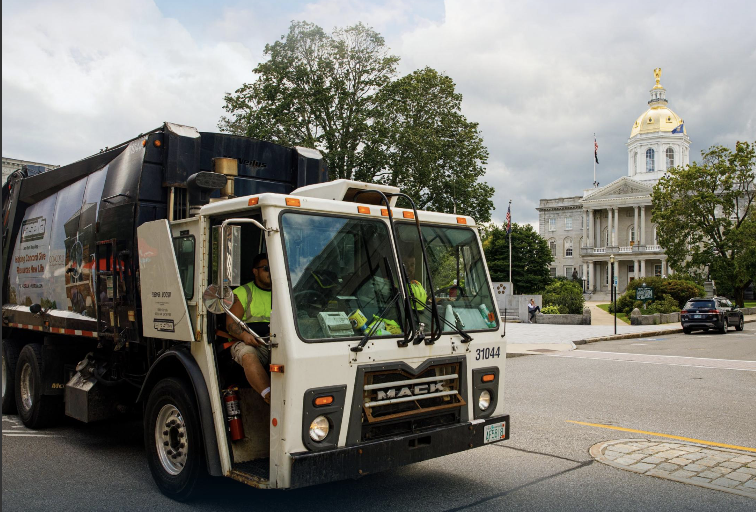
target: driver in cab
<point>252,304</point>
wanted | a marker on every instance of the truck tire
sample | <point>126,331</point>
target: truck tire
<point>35,409</point>
<point>10,358</point>
<point>173,439</point>
<point>739,327</point>
<point>723,329</point>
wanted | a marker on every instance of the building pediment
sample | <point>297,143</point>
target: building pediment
<point>622,188</point>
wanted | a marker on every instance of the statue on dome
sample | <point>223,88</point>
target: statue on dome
<point>657,75</point>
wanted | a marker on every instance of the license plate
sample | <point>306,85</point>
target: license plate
<point>697,316</point>
<point>494,432</point>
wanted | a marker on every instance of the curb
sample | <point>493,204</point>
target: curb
<point>637,335</point>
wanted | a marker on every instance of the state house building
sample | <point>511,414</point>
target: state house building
<point>584,231</point>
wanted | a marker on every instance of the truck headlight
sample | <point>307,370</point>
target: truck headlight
<point>484,400</point>
<point>319,428</point>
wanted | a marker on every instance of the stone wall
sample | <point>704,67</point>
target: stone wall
<point>584,319</point>
<point>659,318</point>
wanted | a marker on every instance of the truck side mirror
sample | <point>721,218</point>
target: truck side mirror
<point>213,300</point>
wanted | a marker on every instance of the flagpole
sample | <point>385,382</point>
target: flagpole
<point>510,247</point>
<point>594,161</point>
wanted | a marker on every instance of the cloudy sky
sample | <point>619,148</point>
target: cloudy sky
<point>539,76</point>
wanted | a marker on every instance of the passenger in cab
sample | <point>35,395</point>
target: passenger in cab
<point>252,304</point>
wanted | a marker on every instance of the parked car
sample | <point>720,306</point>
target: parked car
<point>710,313</point>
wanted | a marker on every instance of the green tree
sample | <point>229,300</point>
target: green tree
<point>316,90</point>
<point>706,220</point>
<point>566,295</point>
<point>421,142</point>
<point>531,257</point>
<point>336,92</point>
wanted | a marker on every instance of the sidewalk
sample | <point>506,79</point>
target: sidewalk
<point>537,338</point>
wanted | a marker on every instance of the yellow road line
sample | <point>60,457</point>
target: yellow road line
<point>698,441</point>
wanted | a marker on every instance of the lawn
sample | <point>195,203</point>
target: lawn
<point>620,316</point>
<point>749,304</point>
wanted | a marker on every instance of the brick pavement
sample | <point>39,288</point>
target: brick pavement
<point>727,470</point>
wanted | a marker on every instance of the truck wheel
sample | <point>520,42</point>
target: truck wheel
<point>738,327</point>
<point>173,438</point>
<point>724,328</point>
<point>686,330</point>
<point>35,409</point>
<point>10,358</point>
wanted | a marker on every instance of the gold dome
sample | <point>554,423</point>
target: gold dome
<point>657,119</point>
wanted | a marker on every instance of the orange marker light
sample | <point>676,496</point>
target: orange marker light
<point>276,368</point>
<point>363,209</point>
<point>408,215</point>
<point>144,142</point>
<point>291,201</point>
<point>253,201</point>
<point>323,400</point>
<point>157,143</point>
<point>489,377</point>
<point>274,421</point>
<point>384,212</point>
<point>461,220</point>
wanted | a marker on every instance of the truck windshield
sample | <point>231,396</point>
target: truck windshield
<point>460,279</point>
<point>343,276</point>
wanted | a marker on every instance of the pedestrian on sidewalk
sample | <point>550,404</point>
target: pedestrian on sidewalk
<point>532,310</point>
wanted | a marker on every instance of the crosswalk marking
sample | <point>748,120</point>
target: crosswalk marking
<point>697,362</point>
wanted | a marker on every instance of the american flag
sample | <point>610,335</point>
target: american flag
<point>509,219</point>
<point>595,149</point>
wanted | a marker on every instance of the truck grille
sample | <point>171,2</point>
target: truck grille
<point>394,401</point>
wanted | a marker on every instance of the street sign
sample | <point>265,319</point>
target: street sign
<point>644,293</point>
<point>615,281</point>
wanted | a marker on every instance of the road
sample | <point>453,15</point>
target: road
<point>695,387</point>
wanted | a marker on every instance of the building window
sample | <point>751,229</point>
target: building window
<point>568,272</point>
<point>650,160</point>
<point>552,247</point>
<point>552,224</point>
<point>631,268</point>
<point>631,235</point>
<point>568,223</point>
<point>656,238</point>
<point>605,236</point>
<point>552,271</point>
<point>606,277</point>
<point>568,247</point>
<point>670,158</point>
<point>657,270</point>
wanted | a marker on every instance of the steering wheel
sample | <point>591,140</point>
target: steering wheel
<point>309,299</point>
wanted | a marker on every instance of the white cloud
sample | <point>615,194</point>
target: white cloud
<point>80,76</point>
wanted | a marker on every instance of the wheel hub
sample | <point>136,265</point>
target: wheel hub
<point>27,387</point>
<point>171,441</point>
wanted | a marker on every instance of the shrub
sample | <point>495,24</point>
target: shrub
<point>550,310</point>
<point>566,295</point>
<point>677,290</point>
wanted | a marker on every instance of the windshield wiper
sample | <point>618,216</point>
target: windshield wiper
<point>376,323</point>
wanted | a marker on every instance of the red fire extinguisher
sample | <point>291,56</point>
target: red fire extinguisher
<point>233,412</point>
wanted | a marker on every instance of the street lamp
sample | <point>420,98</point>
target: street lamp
<point>613,293</point>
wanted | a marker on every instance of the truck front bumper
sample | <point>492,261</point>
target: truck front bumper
<point>312,468</point>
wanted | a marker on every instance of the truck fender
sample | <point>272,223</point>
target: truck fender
<point>177,361</point>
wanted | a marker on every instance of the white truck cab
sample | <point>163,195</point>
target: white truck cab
<point>385,340</point>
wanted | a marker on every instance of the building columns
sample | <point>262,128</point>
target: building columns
<point>643,225</point>
<point>642,268</point>
<point>635,226</point>
<point>615,239</point>
<point>585,228</point>
<point>610,228</point>
<point>636,270</point>
<point>592,275</point>
<point>593,229</point>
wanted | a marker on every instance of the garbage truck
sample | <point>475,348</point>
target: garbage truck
<point>385,341</point>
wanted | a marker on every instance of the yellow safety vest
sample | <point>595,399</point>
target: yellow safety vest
<point>420,295</point>
<point>255,301</point>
